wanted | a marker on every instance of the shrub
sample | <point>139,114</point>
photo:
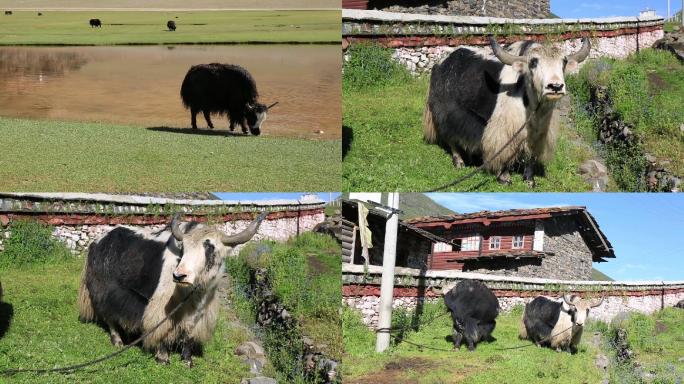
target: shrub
<point>31,243</point>
<point>371,64</point>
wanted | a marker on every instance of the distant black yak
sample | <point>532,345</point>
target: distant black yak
<point>95,23</point>
<point>171,25</point>
<point>40,13</point>
<point>224,89</point>
<point>8,12</point>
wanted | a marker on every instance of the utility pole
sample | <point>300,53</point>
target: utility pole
<point>387,284</point>
<point>668,10</point>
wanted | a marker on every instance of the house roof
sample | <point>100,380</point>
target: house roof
<point>596,240</point>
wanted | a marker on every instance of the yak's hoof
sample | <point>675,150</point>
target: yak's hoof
<point>457,161</point>
<point>504,179</point>
<point>162,360</point>
<point>188,363</point>
<point>116,341</point>
<point>531,183</point>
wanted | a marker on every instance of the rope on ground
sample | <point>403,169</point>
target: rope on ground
<point>10,372</point>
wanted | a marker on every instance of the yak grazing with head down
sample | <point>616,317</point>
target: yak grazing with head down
<point>477,102</point>
<point>134,278</point>
<point>474,309</point>
<point>224,89</point>
<point>556,323</point>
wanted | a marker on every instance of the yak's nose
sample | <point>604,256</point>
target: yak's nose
<point>555,87</point>
<point>177,277</point>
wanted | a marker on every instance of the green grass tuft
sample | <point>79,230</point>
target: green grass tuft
<point>31,243</point>
<point>371,65</point>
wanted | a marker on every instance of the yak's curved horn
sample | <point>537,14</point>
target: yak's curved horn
<point>244,236</point>
<point>568,299</point>
<point>599,303</point>
<point>272,105</point>
<point>582,54</point>
<point>503,56</point>
<point>175,228</point>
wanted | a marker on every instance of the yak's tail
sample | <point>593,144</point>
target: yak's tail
<point>522,331</point>
<point>86,312</point>
<point>429,130</point>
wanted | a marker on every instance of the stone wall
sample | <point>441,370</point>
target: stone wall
<point>77,221</point>
<point>361,291</point>
<point>519,9</point>
<point>420,41</point>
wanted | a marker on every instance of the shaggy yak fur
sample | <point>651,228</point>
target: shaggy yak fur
<point>474,309</point>
<point>478,101</point>
<point>134,278</point>
<point>95,23</point>
<point>223,89</point>
<point>556,323</point>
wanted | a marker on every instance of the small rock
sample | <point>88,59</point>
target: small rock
<point>602,362</point>
<point>681,128</point>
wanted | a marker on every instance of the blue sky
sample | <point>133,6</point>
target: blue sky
<point>646,230</point>
<point>271,195</point>
<point>609,8</point>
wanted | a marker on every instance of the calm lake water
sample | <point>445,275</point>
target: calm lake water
<point>141,85</point>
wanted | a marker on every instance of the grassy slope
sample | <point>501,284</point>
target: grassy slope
<point>407,364</point>
<point>417,204</point>
<point>45,333</point>
<point>597,275</point>
<point>72,28</point>
<point>69,156</point>
<point>658,342</point>
<point>647,90</point>
<point>388,152</point>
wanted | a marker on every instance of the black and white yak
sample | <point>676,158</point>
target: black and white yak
<point>171,25</point>
<point>134,277</point>
<point>224,89</point>
<point>477,102</point>
<point>556,323</point>
<point>474,309</point>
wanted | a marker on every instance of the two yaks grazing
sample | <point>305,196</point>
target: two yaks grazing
<point>477,102</point>
<point>134,278</point>
<point>224,89</point>
<point>555,323</point>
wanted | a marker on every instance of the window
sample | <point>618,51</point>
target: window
<point>518,241</point>
<point>495,242</point>
<point>442,247</point>
<point>470,243</point>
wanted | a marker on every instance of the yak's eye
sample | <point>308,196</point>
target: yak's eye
<point>533,62</point>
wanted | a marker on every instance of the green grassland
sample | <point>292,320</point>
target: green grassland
<point>99,157</point>
<point>438,363</point>
<point>45,333</point>
<point>149,27</point>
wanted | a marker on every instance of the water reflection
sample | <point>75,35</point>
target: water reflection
<point>141,85</point>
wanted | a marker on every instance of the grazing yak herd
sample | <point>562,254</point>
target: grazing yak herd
<point>159,284</point>
<point>555,323</point>
<point>478,102</point>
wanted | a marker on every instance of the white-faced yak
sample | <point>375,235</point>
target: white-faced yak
<point>224,89</point>
<point>477,102</point>
<point>556,323</point>
<point>134,278</point>
<point>474,309</point>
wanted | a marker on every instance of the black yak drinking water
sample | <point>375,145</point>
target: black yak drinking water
<point>171,25</point>
<point>224,89</point>
<point>95,23</point>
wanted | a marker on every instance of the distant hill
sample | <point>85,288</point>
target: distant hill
<point>415,204</point>
<point>597,275</point>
